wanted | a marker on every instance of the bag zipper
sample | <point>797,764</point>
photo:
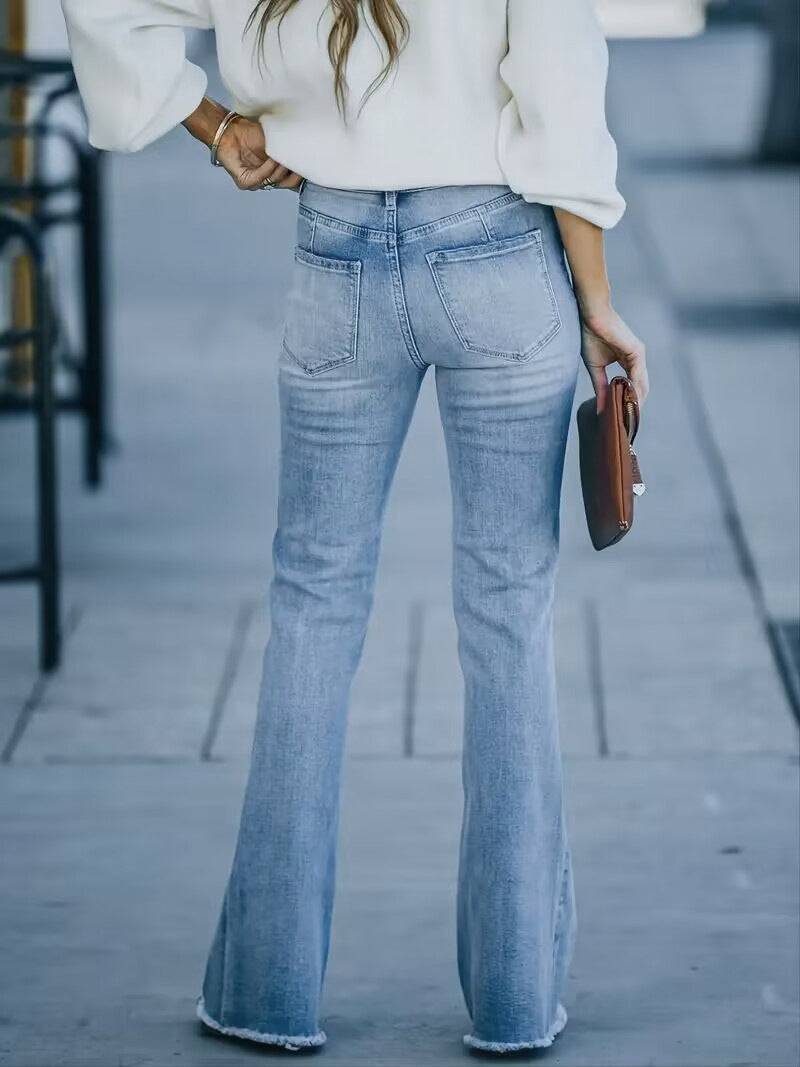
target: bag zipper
<point>632,426</point>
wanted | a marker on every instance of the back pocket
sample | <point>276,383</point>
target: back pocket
<point>321,324</point>
<point>498,295</point>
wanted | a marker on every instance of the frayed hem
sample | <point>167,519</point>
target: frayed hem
<point>518,1046</point>
<point>287,1041</point>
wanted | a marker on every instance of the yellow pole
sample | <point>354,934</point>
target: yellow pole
<point>20,370</point>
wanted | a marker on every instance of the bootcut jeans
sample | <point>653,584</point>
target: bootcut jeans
<point>471,280</point>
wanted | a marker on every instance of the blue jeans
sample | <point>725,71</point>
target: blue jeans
<point>470,279</point>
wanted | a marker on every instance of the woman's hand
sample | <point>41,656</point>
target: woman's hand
<point>243,153</point>
<point>607,339</point>
<point>242,150</point>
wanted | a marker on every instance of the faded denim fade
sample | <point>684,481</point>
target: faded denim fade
<point>472,281</point>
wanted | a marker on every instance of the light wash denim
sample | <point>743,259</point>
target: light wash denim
<point>471,280</point>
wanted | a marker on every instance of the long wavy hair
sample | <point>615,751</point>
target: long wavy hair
<point>386,14</point>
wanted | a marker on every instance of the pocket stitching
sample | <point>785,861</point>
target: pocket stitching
<point>499,247</point>
<point>352,268</point>
<point>313,259</point>
<point>489,249</point>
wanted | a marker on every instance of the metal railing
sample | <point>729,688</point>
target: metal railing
<point>87,367</point>
<point>18,232</point>
<point>65,377</point>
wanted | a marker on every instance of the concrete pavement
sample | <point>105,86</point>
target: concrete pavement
<point>114,874</point>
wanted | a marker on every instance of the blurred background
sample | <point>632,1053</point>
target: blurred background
<point>141,302</point>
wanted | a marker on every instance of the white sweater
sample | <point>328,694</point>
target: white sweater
<point>486,91</point>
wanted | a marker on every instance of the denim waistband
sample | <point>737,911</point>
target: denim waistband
<point>402,209</point>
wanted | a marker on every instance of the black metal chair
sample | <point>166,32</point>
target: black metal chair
<point>21,233</point>
<point>88,368</point>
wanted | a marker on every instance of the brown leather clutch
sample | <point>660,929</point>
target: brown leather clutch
<point>610,476</point>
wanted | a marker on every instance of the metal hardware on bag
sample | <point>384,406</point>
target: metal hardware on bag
<point>631,426</point>
<point>638,486</point>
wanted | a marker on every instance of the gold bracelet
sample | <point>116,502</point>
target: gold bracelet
<point>218,136</point>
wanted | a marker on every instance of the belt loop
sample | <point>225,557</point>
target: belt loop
<point>390,200</point>
<point>483,215</point>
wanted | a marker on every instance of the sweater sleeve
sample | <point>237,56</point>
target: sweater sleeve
<point>554,144</point>
<point>130,63</point>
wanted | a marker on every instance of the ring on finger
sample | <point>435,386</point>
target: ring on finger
<point>268,183</point>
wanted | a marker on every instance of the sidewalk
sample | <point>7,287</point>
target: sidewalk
<point>125,770</point>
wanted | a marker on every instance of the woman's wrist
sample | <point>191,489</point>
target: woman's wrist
<point>583,244</point>
<point>204,121</point>
<point>594,301</point>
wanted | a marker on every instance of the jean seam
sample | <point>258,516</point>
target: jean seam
<point>437,225</point>
<point>561,901</point>
<point>414,233</point>
<point>367,233</point>
<point>498,247</point>
<point>402,310</point>
<point>328,263</point>
<point>549,282</point>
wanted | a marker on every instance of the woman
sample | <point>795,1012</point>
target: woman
<point>448,153</point>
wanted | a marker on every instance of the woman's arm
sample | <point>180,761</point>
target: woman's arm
<point>130,63</point>
<point>242,150</point>
<point>554,142</point>
<point>136,83</point>
<point>606,338</point>
<point>557,150</point>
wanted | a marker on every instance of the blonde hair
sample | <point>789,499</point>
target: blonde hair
<point>386,14</point>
